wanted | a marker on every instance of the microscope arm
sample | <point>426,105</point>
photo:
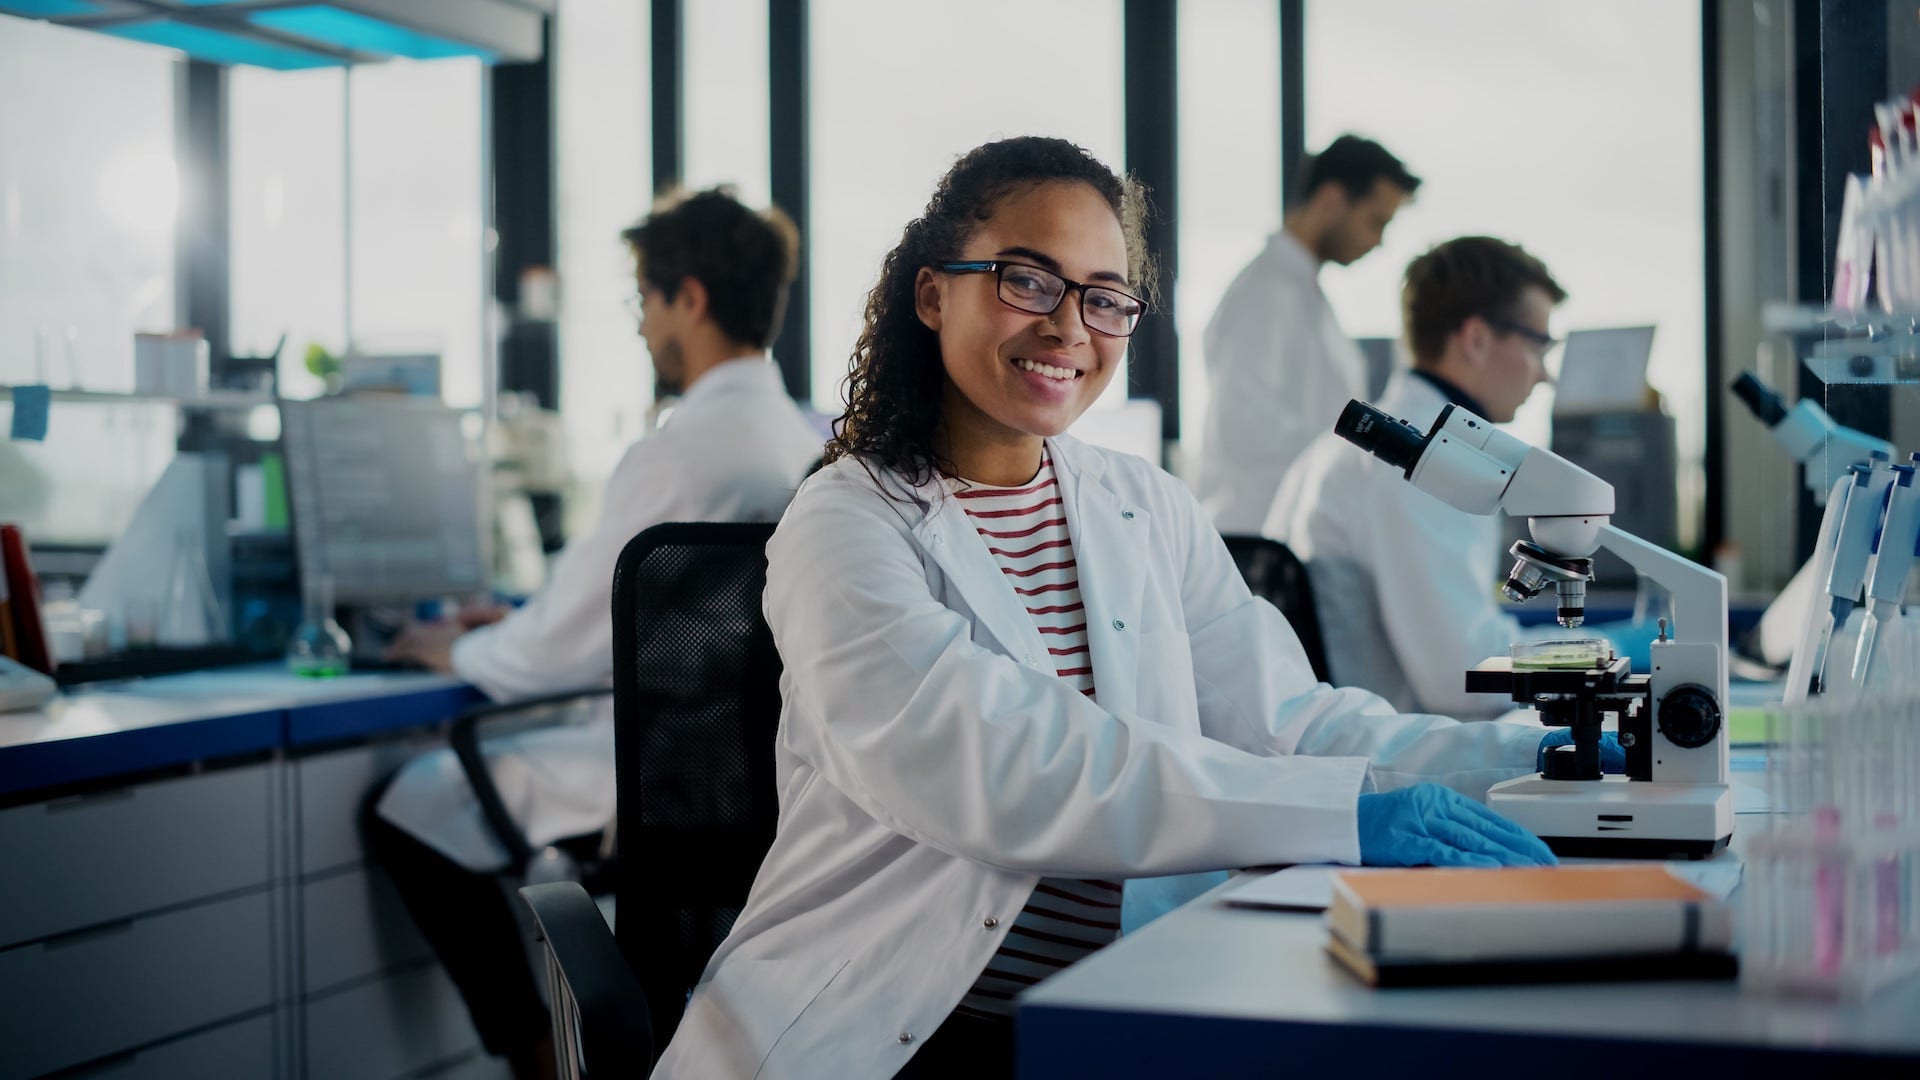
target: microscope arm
<point>1699,594</point>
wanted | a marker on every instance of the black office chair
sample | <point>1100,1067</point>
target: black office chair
<point>696,706</point>
<point>546,864</point>
<point>1273,573</point>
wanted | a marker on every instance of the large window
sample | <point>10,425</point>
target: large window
<point>358,203</point>
<point>1539,137</point>
<point>603,184</point>
<point>288,184</point>
<point>898,94</point>
<point>725,121</point>
<point>88,196</point>
<point>416,255</point>
<point>1230,171</point>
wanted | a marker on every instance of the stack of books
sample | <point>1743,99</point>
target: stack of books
<point>1433,927</point>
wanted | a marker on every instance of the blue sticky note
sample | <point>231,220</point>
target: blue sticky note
<point>30,405</point>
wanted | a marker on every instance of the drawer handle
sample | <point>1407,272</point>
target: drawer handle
<point>96,798</point>
<point>91,933</point>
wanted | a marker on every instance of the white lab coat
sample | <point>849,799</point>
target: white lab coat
<point>733,449</point>
<point>1279,370</point>
<point>931,766</point>
<point>1403,583</point>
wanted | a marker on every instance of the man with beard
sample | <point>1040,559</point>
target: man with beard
<point>1280,367</point>
<point>713,278</point>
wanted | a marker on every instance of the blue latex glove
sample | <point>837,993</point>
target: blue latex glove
<point>1613,758</point>
<point>1429,825</point>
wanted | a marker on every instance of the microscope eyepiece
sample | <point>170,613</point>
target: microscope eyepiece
<point>1766,404</point>
<point>1393,441</point>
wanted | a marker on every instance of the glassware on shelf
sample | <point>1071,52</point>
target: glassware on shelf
<point>319,648</point>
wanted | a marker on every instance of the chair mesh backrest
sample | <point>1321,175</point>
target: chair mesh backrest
<point>1273,573</point>
<point>696,706</point>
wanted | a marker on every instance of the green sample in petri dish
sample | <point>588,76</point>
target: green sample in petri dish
<point>1561,653</point>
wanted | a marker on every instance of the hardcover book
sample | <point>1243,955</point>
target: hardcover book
<point>1525,924</point>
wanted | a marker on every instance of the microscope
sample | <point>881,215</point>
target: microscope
<point>1673,801</point>
<point>1808,435</point>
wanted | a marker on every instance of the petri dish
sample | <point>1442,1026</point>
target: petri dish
<point>1559,653</point>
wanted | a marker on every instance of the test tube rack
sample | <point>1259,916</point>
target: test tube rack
<point>1831,903</point>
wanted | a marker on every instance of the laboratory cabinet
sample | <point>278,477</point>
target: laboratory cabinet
<point>401,1024</point>
<point>222,923</point>
<point>98,992</point>
<point>89,859</point>
<point>241,1049</point>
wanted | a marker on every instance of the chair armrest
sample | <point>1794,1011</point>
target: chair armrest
<point>465,740</point>
<point>589,977</point>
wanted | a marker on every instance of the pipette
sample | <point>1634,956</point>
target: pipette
<point>1894,551</point>
<point>1852,548</point>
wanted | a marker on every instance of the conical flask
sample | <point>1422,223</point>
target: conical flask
<point>319,648</point>
<point>190,615</point>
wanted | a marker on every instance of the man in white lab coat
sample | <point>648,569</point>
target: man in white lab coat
<point>1280,368</point>
<point>713,279</point>
<point>1404,584</point>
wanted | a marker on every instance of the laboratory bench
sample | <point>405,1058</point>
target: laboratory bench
<point>187,889</point>
<point>1212,990</point>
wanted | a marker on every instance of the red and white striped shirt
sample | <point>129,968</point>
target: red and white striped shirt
<point>1065,919</point>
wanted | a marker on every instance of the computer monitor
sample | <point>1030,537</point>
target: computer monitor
<point>1383,357</point>
<point>385,495</point>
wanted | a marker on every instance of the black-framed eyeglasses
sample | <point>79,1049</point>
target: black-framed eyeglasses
<point>1545,343</point>
<point>1023,287</point>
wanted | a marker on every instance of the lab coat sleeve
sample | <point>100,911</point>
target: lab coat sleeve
<point>1440,612</point>
<point>951,744</point>
<point>563,637</point>
<point>1257,691</point>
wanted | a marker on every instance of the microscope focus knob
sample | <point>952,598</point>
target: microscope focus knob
<point>1689,716</point>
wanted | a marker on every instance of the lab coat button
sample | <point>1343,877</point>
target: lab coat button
<point>906,1037</point>
<point>1118,625</point>
<point>1128,514</point>
<point>990,922</point>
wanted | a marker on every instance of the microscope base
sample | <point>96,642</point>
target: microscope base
<point>1619,818</point>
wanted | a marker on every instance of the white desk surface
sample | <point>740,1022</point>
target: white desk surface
<point>1211,960</point>
<point>116,707</point>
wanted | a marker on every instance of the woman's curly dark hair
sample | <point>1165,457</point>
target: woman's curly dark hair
<point>894,389</point>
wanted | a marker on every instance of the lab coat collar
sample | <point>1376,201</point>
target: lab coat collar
<point>1289,253</point>
<point>727,374</point>
<point>1110,536</point>
<point>1412,398</point>
<point>1451,391</point>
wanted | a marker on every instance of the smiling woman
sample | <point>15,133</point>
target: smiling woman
<point>1021,364</point>
<point>934,392</point>
<point>1023,670</point>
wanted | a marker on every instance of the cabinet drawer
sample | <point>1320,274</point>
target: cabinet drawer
<point>97,858</point>
<point>333,788</point>
<point>478,1066</point>
<point>237,1050</point>
<point>354,924</point>
<point>96,993</point>
<point>388,1028</point>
